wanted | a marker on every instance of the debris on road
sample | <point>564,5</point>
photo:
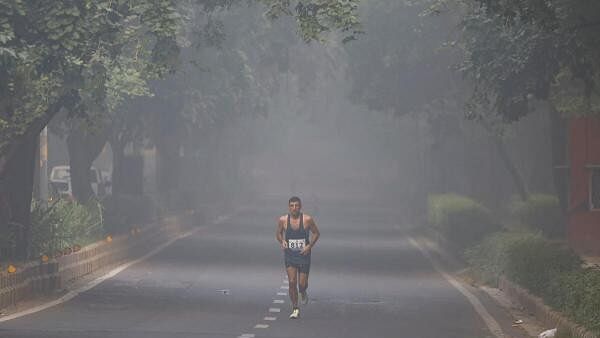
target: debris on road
<point>548,334</point>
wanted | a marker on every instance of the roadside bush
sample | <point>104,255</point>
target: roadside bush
<point>489,259</point>
<point>540,212</point>
<point>578,295</point>
<point>460,220</point>
<point>535,262</point>
<point>64,224</point>
<point>548,270</point>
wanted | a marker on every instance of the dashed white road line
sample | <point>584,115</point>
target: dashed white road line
<point>261,326</point>
<point>278,301</point>
<point>246,335</point>
<point>274,310</point>
<point>270,319</point>
<point>281,294</point>
<point>284,287</point>
<point>491,323</point>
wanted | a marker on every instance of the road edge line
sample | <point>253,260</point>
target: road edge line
<point>490,322</point>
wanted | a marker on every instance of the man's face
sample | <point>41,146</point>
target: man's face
<point>295,208</point>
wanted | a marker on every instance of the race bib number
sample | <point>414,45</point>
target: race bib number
<point>296,244</point>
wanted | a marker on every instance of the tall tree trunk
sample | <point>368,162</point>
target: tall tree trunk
<point>17,160</point>
<point>510,166</point>
<point>559,140</point>
<point>84,147</point>
<point>515,175</point>
<point>167,167</point>
<point>118,176</point>
<point>16,189</point>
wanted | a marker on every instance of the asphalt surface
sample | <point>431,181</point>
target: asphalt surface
<point>367,280</point>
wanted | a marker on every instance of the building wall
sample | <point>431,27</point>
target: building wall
<point>584,151</point>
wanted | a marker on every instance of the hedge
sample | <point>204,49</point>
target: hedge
<point>547,269</point>
<point>459,219</point>
<point>540,212</point>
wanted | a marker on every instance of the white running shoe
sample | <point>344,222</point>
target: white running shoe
<point>295,314</point>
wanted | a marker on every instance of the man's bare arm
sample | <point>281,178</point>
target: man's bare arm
<point>314,232</point>
<point>279,235</point>
<point>314,235</point>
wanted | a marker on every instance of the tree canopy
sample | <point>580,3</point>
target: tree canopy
<point>516,50</point>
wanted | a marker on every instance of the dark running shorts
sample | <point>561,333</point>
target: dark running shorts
<point>302,267</point>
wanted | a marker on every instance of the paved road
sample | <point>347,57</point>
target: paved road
<point>367,280</point>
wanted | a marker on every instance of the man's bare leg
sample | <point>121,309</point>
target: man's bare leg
<point>302,286</point>
<point>292,273</point>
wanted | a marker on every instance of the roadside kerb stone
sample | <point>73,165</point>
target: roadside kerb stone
<point>515,293</point>
<point>542,312</point>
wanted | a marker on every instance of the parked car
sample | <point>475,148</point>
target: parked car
<point>60,182</point>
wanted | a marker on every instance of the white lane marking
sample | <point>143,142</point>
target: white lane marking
<point>284,287</point>
<point>274,310</point>
<point>491,323</point>
<point>72,294</point>
<point>247,335</point>
<point>270,318</point>
<point>281,293</point>
<point>261,326</point>
<point>278,301</point>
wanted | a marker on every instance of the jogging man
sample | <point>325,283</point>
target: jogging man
<point>297,234</point>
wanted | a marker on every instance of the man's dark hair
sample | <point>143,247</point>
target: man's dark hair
<point>295,199</point>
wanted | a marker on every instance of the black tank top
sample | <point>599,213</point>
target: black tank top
<point>296,239</point>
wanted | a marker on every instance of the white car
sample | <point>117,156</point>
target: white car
<point>60,182</point>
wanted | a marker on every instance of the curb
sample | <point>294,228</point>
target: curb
<point>517,294</point>
<point>43,278</point>
<point>540,310</point>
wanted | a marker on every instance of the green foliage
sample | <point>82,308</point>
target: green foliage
<point>64,224</point>
<point>108,50</point>
<point>489,259</point>
<point>578,295</point>
<point>505,64</point>
<point>50,49</point>
<point>534,263</point>
<point>461,220</point>
<point>546,269</point>
<point>516,50</point>
<point>319,16</point>
<point>539,212</point>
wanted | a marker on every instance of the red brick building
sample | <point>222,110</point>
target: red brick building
<point>584,185</point>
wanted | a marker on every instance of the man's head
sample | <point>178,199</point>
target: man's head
<point>295,205</point>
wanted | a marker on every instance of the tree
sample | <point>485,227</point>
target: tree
<point>407,65</point>
<point>87,57</point>
<point>55,55</point>
<point>518,52</point>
